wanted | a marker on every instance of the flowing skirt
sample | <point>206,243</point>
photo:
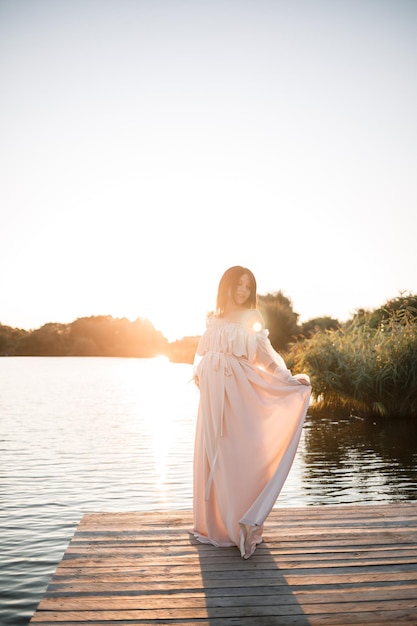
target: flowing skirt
<point>248,429</point>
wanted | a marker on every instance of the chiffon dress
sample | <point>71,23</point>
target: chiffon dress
<point>250,417</point>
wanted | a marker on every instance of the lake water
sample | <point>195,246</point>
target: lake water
<point>84,435</point>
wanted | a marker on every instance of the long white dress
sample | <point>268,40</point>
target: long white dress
<point>250,417</point>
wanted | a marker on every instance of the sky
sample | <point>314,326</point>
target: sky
<point>148,145</point>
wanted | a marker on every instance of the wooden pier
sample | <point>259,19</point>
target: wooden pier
<point>317,566</point>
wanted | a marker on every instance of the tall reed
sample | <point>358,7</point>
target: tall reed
<point>372,370</point>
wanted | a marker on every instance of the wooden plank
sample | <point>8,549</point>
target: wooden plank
<point>317,566</point>
<point>180,601</point>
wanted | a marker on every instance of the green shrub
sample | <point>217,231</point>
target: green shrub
<point>372,370</point>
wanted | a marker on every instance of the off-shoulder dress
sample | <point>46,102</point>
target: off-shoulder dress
<point>250,417</point>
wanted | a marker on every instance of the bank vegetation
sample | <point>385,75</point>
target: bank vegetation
<point>367,366</point>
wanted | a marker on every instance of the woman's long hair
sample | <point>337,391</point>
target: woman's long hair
<point>228,284</point>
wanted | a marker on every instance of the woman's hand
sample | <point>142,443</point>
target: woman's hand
<point>304,379</point>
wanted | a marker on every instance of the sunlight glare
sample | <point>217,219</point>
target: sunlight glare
<point>158,413</point>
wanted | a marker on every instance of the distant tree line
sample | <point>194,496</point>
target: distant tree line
<point>104,335</point>
<point>282,321</point>
<point>87,336</point>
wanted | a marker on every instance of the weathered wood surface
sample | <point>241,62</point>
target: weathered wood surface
<point>317,566</point>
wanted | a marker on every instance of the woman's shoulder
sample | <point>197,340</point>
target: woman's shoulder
<point>254,320</point>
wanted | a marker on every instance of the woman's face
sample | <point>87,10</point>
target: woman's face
<point>243,290</point>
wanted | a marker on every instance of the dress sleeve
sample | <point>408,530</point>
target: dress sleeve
<point>267,358</point>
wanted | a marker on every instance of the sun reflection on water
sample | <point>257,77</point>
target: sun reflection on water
<point>157,420</point>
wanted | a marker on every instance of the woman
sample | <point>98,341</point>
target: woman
<point>250,417</point>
